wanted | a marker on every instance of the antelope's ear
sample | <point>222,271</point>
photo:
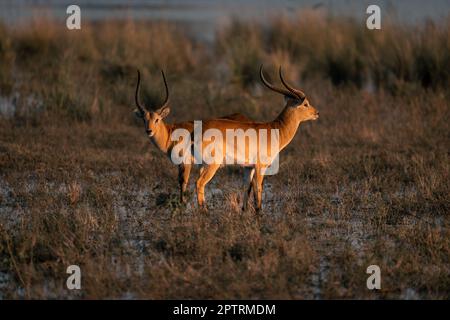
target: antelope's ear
<point>138,113</point>
<point>290,102</point>
<point>164,112</point>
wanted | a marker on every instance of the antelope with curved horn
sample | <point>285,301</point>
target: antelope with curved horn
<point>160,132</point>
<point>297,109</point>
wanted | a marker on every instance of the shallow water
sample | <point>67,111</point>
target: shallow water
<point>204,17</point>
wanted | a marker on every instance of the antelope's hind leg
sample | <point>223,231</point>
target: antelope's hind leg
<point>248,177</point>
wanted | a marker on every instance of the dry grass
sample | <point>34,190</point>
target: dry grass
<point>366,184</point>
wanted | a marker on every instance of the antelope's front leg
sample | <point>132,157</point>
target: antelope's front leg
<point>184,171</point>
<point>206,175</point>
<point>258,187</point>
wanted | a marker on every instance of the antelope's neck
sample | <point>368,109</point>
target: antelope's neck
<point>162,137</point>
<point>287,124</point>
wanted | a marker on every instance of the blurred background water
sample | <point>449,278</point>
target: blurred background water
<point>204,16</point>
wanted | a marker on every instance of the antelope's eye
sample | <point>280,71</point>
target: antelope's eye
<point>156,121</point>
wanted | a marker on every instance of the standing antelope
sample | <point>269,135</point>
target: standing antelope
<point>160,132</point>
<point>297,109</point>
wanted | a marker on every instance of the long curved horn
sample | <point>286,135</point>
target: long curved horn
<point>298,93</point>
<point>136,96</point>
<point>272,87</point>
<point>166,101</point>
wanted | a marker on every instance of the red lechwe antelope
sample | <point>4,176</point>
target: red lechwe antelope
<point>297,109</point>
<point>160,132</point>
